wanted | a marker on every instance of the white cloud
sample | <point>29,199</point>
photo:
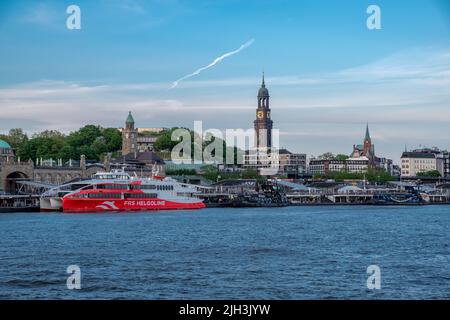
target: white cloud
<point>39,14</point>
<point>408,91</point>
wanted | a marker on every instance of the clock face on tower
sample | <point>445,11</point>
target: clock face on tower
<point>260,114</point>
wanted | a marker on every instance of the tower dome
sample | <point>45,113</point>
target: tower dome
<point>4,144</point>
<point>130,118</point>
<point>6,150</point>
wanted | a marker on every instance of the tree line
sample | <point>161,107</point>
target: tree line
<point>91,140</point>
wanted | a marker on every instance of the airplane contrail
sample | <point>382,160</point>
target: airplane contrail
<point>216,61</point>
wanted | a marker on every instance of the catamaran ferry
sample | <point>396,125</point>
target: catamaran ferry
<point>132,195</point>
<point>51,200</point>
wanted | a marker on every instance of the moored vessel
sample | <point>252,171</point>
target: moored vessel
<point>132,195</point>
<point>51,200</point>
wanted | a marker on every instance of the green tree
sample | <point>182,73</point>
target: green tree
<point>181,172</point>
<point>84,136</point>
<point>341,157</point>
<point>51,134</point>
<point>326,156</point>
<point>164,141</point>
<point>113,139</point>
<point>431,173</point>
<point>16,137</point>
<point>68,152</point>
<point>40,147</point>
<point>372,175</point>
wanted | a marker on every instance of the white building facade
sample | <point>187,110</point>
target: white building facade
<point>351,165</point>
<point>277,162</point>
<point>415,162</point>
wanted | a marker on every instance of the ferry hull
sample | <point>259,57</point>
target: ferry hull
<point>71,205</point>
<point>50,204</point>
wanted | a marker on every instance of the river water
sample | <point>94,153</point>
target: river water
<point>260,253</point>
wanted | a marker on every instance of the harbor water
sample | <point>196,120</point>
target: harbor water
<point>237,253</point>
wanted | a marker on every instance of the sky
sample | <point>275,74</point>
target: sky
<point>327,73</point>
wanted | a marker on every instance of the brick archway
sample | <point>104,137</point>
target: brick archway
<point>10,185</point>
<point>11,172</point>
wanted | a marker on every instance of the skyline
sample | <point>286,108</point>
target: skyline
<point>327,74</point>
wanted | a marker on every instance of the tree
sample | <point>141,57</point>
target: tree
<point>164,141</point>
<point>99,147</point>
<point>341,157</point>
<point>16,137</point>
<point>113,139</point>
<point>84,136</point>
<point>181,172</point>
<point>431,173</point>
<point>68,152</point>
<point>52,134</point>
<point>326,156</point>
<point>92,141</point>
<point>40,147</point>
<point>4,137</point>
<point>372,175</point>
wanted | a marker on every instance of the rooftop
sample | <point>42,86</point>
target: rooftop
<point>4,144</point>
<point>420,155</point>
<point>130,118</point>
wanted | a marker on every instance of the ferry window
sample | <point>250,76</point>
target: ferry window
<point>104,195</point>
<point>140,195</point>
<point>146,186</point>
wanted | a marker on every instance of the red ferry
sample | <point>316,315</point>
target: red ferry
<point>133,195</point>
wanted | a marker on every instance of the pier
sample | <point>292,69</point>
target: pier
<point>19,203</point>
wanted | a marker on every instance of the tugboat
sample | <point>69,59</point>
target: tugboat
<point>268,194</point>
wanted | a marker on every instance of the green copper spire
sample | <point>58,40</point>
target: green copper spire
<point>367,137</point>
<point>129,118</point>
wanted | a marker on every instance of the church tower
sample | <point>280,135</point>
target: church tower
<point>129,136</point>
<point>367,143</point>
<point>263,123</point>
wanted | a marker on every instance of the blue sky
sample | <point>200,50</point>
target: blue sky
<point>327,73</point>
